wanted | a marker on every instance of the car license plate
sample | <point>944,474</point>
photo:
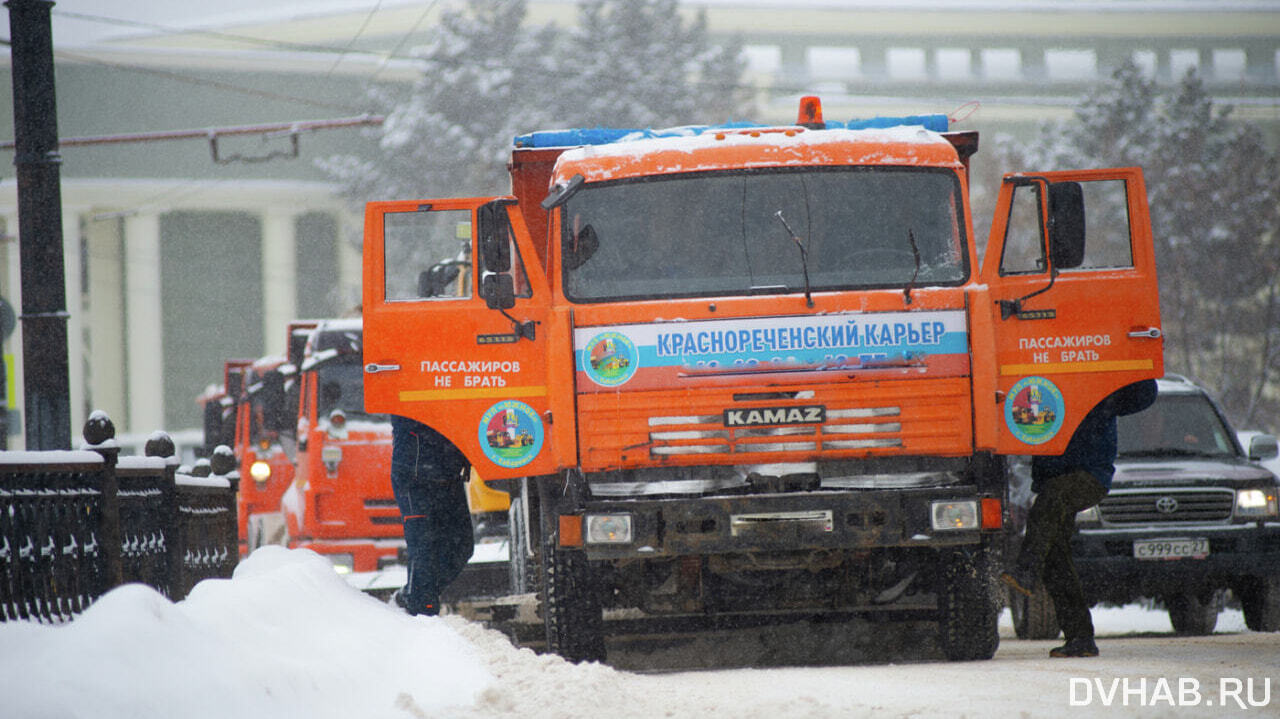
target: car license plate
<point>1171,548</point>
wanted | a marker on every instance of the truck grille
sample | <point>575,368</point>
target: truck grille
<point>1167,506</point>
<point>925,416</point>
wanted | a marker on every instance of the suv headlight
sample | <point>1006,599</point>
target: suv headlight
<point>1252,503</point>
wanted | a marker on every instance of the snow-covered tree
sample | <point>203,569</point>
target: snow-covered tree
<point>638,63</point>
<point>484,80</point>
<point>487,77</point>
<point>1214,190</point>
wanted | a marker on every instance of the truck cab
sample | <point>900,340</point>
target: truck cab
<point>739,370</point>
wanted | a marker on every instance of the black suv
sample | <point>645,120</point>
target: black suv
<point>1189,516</point>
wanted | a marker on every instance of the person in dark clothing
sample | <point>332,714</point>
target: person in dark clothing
<point>428,476</point>
<point>1066,484</point>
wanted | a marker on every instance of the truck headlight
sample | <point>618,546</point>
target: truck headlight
<point>608,528</point>
<point>331,455</point>
<point>343,563</point>
<point>954,515</point>
<point>260,471</point>
<point>1255,503</point>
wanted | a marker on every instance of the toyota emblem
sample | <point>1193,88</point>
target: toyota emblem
<point>1166,505</point>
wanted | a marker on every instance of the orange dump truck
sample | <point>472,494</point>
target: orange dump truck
<point>744,371</point>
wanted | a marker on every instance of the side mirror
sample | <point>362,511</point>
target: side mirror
<point>1066,225</point>
<point>435,282</point>
<point>579,248</point>
<point>561,194</point>
<point>1263,446</point>
<point>495,247</point>
<point>498,290</point>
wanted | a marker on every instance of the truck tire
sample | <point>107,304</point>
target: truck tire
<point>571,608</point>
<point>1034,616</point>
<point>968,605</point>
<point>1194,613</point>
<point>1260,600</point>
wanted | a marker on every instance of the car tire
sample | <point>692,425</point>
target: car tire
<point>1034,616</point>
<point>1194,613</point>
<point>1260,600</point>
<point>968,605</point>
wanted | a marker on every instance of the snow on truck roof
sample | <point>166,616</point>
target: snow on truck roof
<point>605,154</point>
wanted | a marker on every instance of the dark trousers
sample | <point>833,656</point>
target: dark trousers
<point>1047,546</point>
<point>428,477</point>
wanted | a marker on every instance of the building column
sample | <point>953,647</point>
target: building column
<point>350,271</point>
<point>104,315</point>
<point>143,340</point>
<point>76,355</point>
<point>279,278</point>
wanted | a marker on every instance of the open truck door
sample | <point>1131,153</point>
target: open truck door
<point>1071,271</point>
<point>455,328</point>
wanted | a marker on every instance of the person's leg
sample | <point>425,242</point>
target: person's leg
<point>1078,491</point>
<point>424,477</point>
<point>450,535</point>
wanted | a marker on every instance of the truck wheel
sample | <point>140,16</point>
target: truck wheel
<point>1033,617</point>
<point>1260,600</point>
<point>571,608</point>
<point>1194,613</point>
<point>968,605</point>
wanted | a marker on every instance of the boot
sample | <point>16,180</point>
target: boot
<point>1078,647</point>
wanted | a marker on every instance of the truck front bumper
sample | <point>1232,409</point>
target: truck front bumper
<point>849,520</point>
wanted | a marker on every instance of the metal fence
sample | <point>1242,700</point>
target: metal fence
<point>75,524</point>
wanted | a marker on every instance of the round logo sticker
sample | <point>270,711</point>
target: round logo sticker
<point>1033,410</point>
<point>610,359</point>
<point>511,433</point>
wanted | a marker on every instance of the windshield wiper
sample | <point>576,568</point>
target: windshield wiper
<point>915,252</point>
<point>804,256</point>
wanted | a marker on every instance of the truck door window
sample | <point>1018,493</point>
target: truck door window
<point>1023,239</point>
<point>1107,241</point>
<point>427,255</point>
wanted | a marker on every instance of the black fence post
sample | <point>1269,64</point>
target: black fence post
<point>99,434</point>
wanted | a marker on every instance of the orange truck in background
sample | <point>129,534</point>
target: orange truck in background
<point>742,371</point>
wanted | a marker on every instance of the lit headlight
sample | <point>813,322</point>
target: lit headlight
<point>1089,516</point>
<point>954,515</point>
<point>1255,503</point>
<point>343,563</point>
<point>608,528</point>
<point>331,455</point>
<point>260,471</point>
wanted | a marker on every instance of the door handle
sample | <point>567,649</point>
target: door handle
<point>375,368</point>
<point>1150,333</point>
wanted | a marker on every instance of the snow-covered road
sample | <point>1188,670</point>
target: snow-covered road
<point>287,638</point>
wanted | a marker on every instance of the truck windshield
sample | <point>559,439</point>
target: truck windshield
<point>720,233</point>
<point>1184,425</point>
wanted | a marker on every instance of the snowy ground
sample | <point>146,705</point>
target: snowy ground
<point>286,637</point>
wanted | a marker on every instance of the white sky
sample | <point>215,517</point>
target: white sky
<point>68,31</point>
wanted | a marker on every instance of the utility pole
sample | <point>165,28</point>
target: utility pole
<point>47,386</point>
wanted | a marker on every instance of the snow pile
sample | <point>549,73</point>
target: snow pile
<point>287,637</point>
